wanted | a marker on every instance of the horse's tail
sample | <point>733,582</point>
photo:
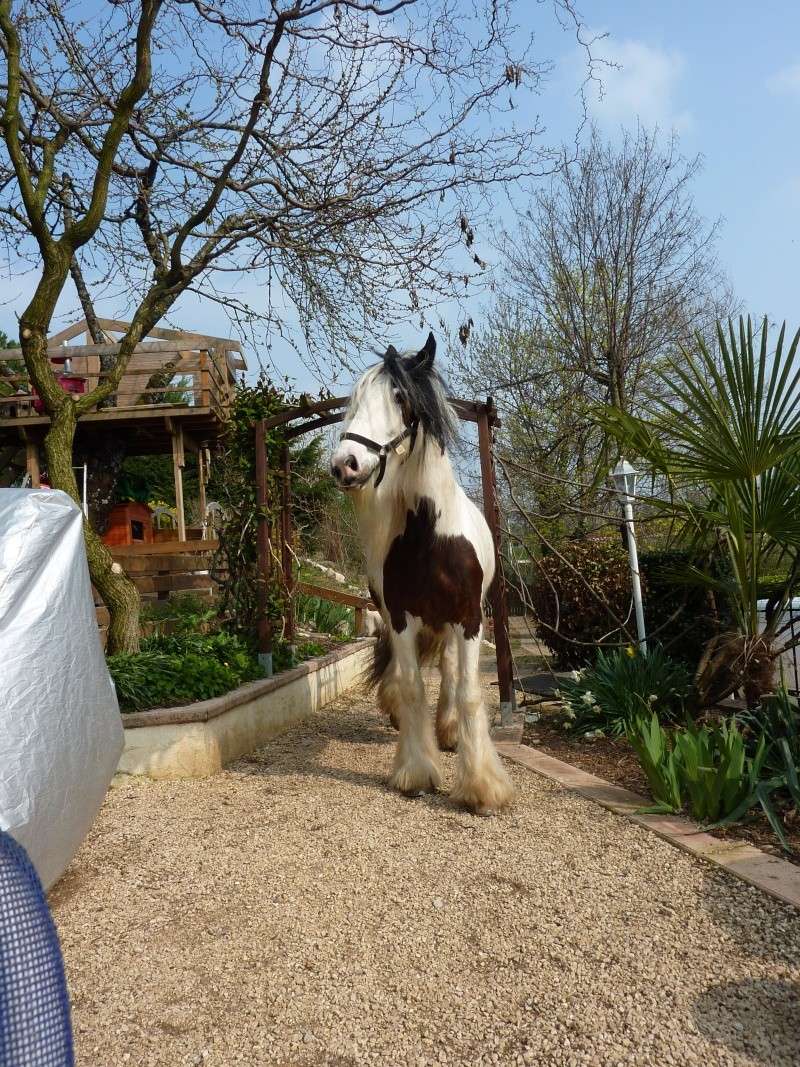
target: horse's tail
<point>429,646</point>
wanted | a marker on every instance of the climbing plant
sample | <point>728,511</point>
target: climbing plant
<point>233,485</point>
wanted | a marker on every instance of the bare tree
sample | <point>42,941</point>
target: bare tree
<point>614,264</point>
<point>331,148</point>
<point>608,272</point>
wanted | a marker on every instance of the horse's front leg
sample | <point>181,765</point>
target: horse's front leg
<point>447,706</point>
<point>482,784</point>
<point>416,760</point>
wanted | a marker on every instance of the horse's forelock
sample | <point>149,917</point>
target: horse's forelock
<point>426,395</point>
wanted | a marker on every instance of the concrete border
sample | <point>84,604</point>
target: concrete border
<point>199,739</point>
<point>777,877</point>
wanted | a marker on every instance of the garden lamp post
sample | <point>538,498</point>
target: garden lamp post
<point>624,479</point>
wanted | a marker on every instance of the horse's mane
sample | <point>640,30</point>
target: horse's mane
<point>425,393</point>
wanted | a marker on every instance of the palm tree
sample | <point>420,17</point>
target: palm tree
<point>723,441</point>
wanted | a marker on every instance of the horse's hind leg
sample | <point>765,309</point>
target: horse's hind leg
<point>447,707</point>
<point>482,784</point>
<point>416,760</point>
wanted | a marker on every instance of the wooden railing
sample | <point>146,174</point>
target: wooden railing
<point>158,375</point>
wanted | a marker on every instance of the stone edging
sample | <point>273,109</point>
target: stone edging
<point>777,877</point>
<point>204,710</point>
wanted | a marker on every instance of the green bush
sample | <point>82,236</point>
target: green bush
<point>180,668</point>
<point>570,620</point>
<point>680,616</point>
<point>620,687</point>
<point>573,622</point>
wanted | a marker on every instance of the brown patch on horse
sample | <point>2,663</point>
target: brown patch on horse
<point>434,577</point>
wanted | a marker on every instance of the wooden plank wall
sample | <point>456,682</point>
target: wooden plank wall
<point>161,570</point>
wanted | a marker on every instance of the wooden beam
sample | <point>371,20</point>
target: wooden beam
<point>286,540</point>
<point>497,591</point>
<point>201,491</point>
<point>68,333</point>
<point>201,340</point>
<point>165,548</point>
<point>71,351</point>
<point>32,463</point>
<point>263,550</point>
<point>178,462</point>
<point>338,596</point>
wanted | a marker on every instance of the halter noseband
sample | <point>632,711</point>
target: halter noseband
<point>382,451</point>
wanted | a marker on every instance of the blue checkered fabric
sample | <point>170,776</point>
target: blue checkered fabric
<point>35,1028</point>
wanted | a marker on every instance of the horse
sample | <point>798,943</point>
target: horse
<point>430,561</point>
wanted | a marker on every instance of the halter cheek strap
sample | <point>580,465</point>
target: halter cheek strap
<point>382,451</point>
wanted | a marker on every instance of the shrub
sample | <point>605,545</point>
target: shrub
<point>569,619</point>
<point>682,617</point>
<point>180,668</point>
<point>623,685</point>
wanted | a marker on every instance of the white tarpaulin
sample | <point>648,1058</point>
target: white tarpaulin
<point>60,728</point>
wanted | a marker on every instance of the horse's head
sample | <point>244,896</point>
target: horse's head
<point>394,404</point>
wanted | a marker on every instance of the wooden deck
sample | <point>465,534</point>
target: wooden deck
<point>173,378</point>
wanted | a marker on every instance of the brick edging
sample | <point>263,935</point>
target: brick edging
<point>203,710</point>
<point>775,876</point>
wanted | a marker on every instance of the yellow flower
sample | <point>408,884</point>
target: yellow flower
<point>630,651</point>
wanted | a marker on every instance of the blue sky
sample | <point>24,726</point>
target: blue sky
<point>725,75</point>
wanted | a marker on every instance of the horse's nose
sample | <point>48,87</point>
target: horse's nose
<point>344,469</point>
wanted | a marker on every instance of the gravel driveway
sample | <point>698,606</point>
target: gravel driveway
<point>293,911</point>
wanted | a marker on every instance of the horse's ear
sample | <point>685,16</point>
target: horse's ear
<point>391,353</point>
<point>423,361</point>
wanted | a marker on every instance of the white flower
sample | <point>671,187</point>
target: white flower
<point>588,697</point>
<point>652,698</point>
<point>576,676</point>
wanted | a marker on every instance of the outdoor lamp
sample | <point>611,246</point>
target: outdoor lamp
<point>624,478</point>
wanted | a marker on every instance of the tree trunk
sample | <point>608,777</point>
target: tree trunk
<point>118,592</point>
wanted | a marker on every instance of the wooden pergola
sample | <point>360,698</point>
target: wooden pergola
<point>302,419</point>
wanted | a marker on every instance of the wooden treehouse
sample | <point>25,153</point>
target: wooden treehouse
<point>172,400</point>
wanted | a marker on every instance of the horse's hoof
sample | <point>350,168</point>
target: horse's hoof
<point>414,781</point>
<point>485,796</point>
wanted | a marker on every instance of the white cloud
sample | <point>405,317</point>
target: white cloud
<point>643,84</point>
<point>785,81</point>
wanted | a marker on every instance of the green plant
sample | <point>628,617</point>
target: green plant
<point>621,686</point>
<point>578,596</point>
<point>705,767</point>
<point>186,613</point>
<point>326,615</point>
<point>283,660</point>
<point>682,618</point>
<point>180,668</point>
<point>651,743</point>
<point>723,434</point>
<point>777,721</point>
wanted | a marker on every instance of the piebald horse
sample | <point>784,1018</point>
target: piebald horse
<point>430,561</point>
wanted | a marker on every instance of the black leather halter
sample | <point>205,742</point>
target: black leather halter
<point>382,451</point>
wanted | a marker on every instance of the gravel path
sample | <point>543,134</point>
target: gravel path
<point>293,911</point>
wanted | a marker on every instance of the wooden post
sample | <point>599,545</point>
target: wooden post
<point>201,490</point>
<point>286,541</point>
<point>264,555</point>
<point>32,463</point>
<point>497,592</point>
<point>178,462</point>
<point>205,381</point>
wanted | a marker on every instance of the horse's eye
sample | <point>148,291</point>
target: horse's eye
<point>397,395</point>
